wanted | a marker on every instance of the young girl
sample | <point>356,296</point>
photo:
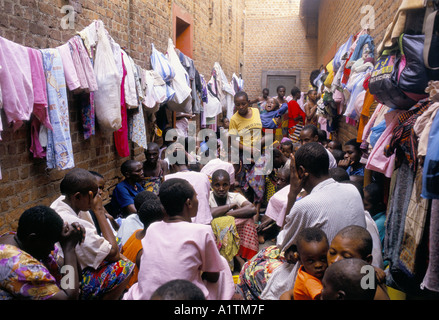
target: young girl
<point>311,108</point>
<point>175,248</point>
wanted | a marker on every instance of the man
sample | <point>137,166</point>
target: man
<point>154,169</point>
<point>123,195</point>
<point>310,133</point>
<point>329,205</point>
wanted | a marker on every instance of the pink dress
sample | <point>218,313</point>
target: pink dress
<point>179,250</point>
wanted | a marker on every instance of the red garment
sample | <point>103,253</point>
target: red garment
<point>294,111</point>
<point>121,136</point>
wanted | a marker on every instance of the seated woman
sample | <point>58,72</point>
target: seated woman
<point>29,269</point>
<point>176,248</point>
<point>154,169</point>
<point>228,210</point>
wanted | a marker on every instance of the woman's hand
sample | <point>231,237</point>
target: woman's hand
<point>72,235</point>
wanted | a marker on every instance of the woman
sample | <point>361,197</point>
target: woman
<point>229,210</point>
<point>175,248</point>
<point>28,267</point>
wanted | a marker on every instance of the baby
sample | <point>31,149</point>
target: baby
<point>312,248</point>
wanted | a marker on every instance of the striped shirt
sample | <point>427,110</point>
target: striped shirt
<point>330,206</point>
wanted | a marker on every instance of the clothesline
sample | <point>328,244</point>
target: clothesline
<point>107,82</point>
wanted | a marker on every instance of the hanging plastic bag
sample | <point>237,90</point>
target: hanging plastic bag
<point>107,97</point>
<point>160,64</point>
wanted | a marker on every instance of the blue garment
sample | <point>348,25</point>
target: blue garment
<point>59,144</point>
<point>358,172</point>
<point>124,194</point>
<point>267,117</point>
<point>362,41</point>
<point>380,220</point>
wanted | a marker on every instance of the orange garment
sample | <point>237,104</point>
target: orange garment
<point>130,250</point>
<point>306,287</point>
<point>368,106</point>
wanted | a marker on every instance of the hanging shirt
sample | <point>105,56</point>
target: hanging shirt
<point>16,83</point>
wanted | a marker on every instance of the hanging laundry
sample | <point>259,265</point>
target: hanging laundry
<point>131,99</point>
<point>180,83</point>
<point>137,129</point>
<point>16,83</point>
<point>40,108</point>
<point>107,98</point>
<point>83,64</point>
<point>72,78</point>
<point>121,135</point>
<point>59,149</point>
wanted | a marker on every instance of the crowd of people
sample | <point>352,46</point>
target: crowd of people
<point>188,223</point>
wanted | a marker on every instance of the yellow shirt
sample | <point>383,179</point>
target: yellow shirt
<point>248,130</point>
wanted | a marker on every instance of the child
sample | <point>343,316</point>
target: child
<point>356,242</point>
<point>261,101</point>
<point>312,248</point>
<point>150,211</point>
<point>311,108</point>
<point>113,223</point>
<point>105,273</point>
<point>343,279</point>
<point>175,248</point>
<point>271,118</point>
<point>374,203</point>
<point>287,147</point>
<point>351,161</point>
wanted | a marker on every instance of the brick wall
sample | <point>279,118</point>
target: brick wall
<point>338,20</point>
<point>275,39</point>
<point>218,36</point>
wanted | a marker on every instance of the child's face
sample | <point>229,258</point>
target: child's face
<point>282,180</point>
<point>101,184</point>
<point>331,146</point>
<point>270,105</point>
<point>287,150</point>
<point>313,256</point>
<point>226,123</point>
<point>344,248</point>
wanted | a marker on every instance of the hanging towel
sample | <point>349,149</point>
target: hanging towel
<point>59,145</point>
<point>16,83</point>
<point>40,109</point>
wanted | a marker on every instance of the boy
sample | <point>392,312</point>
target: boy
<point>356,242</point>
<point>105,273</point>
<point>311,108</point>
<point>271,118</point>
<point>312,247</point>
<point>343,279</point>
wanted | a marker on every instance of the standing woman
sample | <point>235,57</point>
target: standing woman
<point>245,132</point>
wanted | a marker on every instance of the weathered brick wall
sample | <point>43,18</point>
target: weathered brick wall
<point>338,20</point>
<point>218,36</point>
<point>275,39</point>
